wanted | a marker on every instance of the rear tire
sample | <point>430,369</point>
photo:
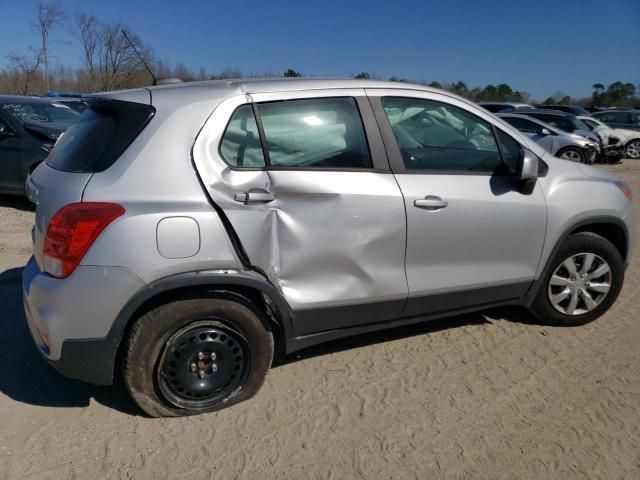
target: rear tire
<point>581,282</point>
<point>224,338</point>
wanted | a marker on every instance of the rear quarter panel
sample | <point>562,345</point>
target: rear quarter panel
<point>155,179</point>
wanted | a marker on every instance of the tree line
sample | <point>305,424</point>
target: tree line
<point>113,57</point>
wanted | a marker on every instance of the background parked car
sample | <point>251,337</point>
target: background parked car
<point>572,109</point>
<point>557,142</point>
<point>29,126</point>
<point>629,139</point>
<point>627,119</point>
<point>495,107</point>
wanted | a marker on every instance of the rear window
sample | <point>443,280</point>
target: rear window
<point>99,136</point>
<point>40,112</point>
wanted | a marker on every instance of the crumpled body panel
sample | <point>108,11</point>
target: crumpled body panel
<point>334,238</point>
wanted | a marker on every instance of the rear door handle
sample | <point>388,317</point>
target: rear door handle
<point>254,196</point>
<point>431,202</point>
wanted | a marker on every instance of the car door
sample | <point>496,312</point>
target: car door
<point>304,181</point>
<point>472,237</point>
<point>9,156</point>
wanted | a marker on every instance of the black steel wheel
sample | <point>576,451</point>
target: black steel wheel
<point>197,355</point>
<point>203,363</point>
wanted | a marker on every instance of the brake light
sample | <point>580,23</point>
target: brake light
<point>71,232</point>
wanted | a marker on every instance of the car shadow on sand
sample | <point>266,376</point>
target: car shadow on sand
<point>17,203</point>
<point>26,377</point>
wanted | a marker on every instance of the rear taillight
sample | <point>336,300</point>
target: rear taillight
<point>71,232</point>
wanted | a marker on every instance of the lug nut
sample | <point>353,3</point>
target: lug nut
<point>201,374</point>
<point>213,355</point>
<point>193,367</point>
<point>200,356</point>
<point>214,367</point>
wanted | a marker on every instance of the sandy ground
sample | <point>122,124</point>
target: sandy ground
<point>490,395</point>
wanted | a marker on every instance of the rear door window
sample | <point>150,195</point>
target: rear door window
<point>315,133</point>
<point>99,136</point>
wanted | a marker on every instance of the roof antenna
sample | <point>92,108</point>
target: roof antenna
<point>155,80</point>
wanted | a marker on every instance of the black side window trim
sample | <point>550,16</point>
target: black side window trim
<point>495,131</point>
<point>374,143</point>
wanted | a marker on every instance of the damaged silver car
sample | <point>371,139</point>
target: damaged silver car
<point>185,235</point>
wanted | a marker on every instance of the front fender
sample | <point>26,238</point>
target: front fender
<point>576,198</point>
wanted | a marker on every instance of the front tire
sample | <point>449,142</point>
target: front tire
<point>632,150</point>
<point>581,282</point>
<point>197,355</point>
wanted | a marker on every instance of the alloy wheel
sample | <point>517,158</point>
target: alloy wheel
<point>579,284</point>
<point>633,149</point>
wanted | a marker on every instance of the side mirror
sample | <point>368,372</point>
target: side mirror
<point>546,131</point>
<point>528,171</point>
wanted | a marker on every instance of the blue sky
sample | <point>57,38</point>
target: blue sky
<point>538,47</point>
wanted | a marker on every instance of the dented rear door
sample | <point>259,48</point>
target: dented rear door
<point>323,217</point>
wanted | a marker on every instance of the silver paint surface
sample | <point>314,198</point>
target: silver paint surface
<point>178,237</point>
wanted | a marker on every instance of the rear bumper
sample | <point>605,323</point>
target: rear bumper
<point>70,319</point>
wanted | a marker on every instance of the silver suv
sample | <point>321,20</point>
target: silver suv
<point>185,234</point>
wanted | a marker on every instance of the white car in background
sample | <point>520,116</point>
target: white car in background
<point>627,140</point>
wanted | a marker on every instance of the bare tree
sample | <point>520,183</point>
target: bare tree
<point>49,17</point>
<point>118,60</point>
<point>87,32</point>
<point>24,69</point>
<point>110,60</point>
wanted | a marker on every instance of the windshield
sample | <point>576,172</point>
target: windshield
<point>592,124</point>
<point>40,112</point>
<point>568,124</point>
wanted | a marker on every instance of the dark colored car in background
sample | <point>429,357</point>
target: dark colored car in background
<point>29,127</point>
<point>72,100</point>
<point>625,119</point>
<point>573,109</point>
